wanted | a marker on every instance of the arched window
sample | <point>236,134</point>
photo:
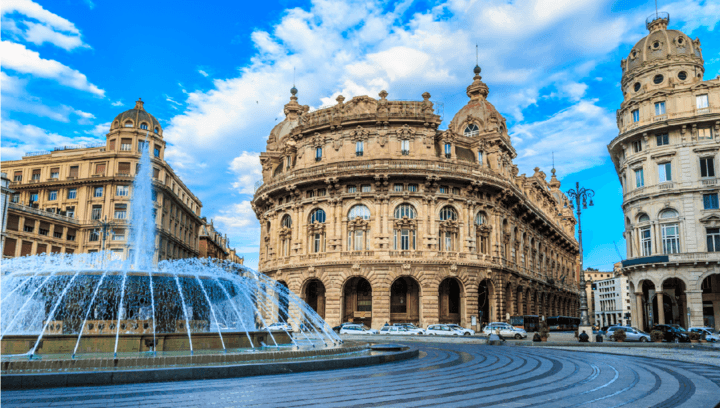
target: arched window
<point>448,213</point>
<point>128,123</point>
<point>317,215</point>
<point>157,130</point>
<point>472,130</point>
<point>286,221</point>
<point>405,210</point>
<point>669,213</point>
<point>480,218</point>
<point>359,211</point>
<point>143,126</point>
<point>643,218</point>
<point>115,125</point>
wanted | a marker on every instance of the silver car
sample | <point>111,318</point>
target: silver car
<point>631,334</point>
<point>706,333</point>
<point>411,328</point>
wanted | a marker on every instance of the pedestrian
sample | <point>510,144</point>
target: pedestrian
<point>536,337</point>
<point>584,338</point>
<point>386,324</point>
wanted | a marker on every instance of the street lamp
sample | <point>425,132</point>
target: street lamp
<point>581,195</point>
<point>103,226</point>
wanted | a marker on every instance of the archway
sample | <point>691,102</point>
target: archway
<point>711,301</point>
<point>315,296</point>
<point>357,301</point>
<point>647,312</point>
<point>405,301</point>
<point>486,299</point>
<point>283,293</point>
<point>449,301</point>
<point>674,303</point>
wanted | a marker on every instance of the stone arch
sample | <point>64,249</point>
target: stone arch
<point>348,204</point>
<point>709,288</point>
<point>405,295</point>
<point>673,300</point>
<point>314,294</point>
<point>357,296</point>
<point>487,301</point>
<point>450,294</point>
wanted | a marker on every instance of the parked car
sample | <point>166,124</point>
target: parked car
<point>464,331</point>
<point>336,329</point>
<point>395,330</point>
<point>357,329</point>
<point>631,334</point>
<point>411,328</point>
<point>672,334</point>
<point>707,333</point>
<point>441,330</point>
<point>506,330</point>
<point>278,327</point>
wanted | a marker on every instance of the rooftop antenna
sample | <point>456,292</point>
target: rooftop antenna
<point>476,52</point>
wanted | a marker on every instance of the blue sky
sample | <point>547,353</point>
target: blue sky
<point>217,74</point>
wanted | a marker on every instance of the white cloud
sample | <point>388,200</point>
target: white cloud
<point>117,103</point>
<point>238,216</point>
<point>47,27</point>
<point>203,73</point>
<point>19,139</point>
<point>19,59</point>
<point>248,170</point>
<point>100,130</point>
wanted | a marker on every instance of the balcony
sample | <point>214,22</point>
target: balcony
<point>42,213</point>
<point>659,118</point>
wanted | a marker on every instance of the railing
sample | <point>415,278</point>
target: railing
<point>658,118</point>
<point>666,116</point>
<point>37,153</point>
<point>695,257</point>
<point>81,146</point>
<point>709,182</point>
<point>42,213</point>
<point>702,111</point>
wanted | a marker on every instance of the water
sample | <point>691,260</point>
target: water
<point>96,295</point>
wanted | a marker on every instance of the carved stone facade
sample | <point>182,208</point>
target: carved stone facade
<point>372,214</point>
<point>666,158</point>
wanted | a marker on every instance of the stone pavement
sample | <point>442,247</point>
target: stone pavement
<point>445,375</point>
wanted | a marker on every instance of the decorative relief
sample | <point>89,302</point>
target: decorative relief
<point>405,133</point>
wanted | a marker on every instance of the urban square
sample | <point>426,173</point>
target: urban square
<point>360,204</point>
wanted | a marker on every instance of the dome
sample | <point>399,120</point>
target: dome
<point>137,118</point>
<point>662,44</point>
<point>479,115</point>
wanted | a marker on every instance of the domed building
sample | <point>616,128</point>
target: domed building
<point>372,214</point>
<point>63,196</point>
<point>665,155</point>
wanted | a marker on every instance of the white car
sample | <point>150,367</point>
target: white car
<point>411,328</point>
<point>709,334</point>
<point>278,327</point>
<point>357,329</point>
<point>506,330</point>
<point>464,331</point>
<point>442,330</point>
<point>394,330</point>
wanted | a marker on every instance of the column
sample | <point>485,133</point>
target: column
<point>661,310</point>
<point>638,315</point>
<point>694,302</point>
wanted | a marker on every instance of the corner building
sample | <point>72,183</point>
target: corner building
<point>372,214</point>
<point>666,156</point>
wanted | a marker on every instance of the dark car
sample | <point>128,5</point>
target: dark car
<point>602,330</point>
<point>672,334</point>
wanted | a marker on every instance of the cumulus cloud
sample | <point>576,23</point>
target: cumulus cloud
<point>36,25</point>
<point>19,139</point>
<point>248,170</point>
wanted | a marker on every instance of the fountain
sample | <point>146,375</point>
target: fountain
<point>81,306</point>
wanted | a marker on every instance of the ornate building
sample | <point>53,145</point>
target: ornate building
<point>669,138</point>
<point>372,214</point>
<point>213,244</point>
<point>62,196</point>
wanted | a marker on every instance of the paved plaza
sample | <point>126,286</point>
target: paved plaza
<point>445,375</point>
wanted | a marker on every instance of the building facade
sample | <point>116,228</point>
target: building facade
<point>592,276</point>
<point>372,214</point>
<point>665,155</point>
<point>62,197</point>
<point>215,245</point>
<point>612,302</point>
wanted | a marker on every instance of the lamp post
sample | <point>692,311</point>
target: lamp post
<point>581,195</point>
<point>103,226</point>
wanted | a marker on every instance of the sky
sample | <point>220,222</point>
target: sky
<point>217,74</point>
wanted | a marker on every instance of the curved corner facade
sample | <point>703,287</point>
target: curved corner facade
<point>666,156</point>
<point>372,214</point>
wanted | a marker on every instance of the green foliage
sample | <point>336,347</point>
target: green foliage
<point>619,335</point>
<point>656,335</point>
<point>694,335</point>
<point>544,330</point>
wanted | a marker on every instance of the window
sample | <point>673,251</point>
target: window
<point>317,243</point>
<point>36,174</point>
<point>359,148</point>
<point>443,190</point>
<point>646,241</point>
<point>710,201</point>
<point>701,101</point>
<point>33,197</point>
<point>366,188</point>
<point>122,191</point>
<point>74,171</point>
<point>98,192</point>
<point>713,239</point>
<point>15,198</point>
<point>398,188</point>
<point>682,75</point>
<point>659,108</point>
<point>636,87</point>
<point>658,78</point>
<point>28,228</point>
<point>639,178</point>
<point>405,210</point>
<point>404,239</point>
<point>317,215</point>
<point>52,196</point>
<point>120,211</point>
<point>664,172</point>
<point>405,147</point>
<point>670,239</point>
<point>359,211</point>
<point>55,173</point>
<point>446,241</point>
<point>448,150</point>
<point>100,168</point>
<point>125,145</point>
<point>352,189</point>
<point>412,188</point>
<point>636,115</point>
<point>56,233</point>
<point>156,173</point>
<point>318,153</point>
<point>637,146</point>
<point>472,130</point>
<point>669,213</point>
<point>448,213</point>
<point>705,133</point>
<point>153,195</point>
<point>455,190</point>
<point>43,231</point>
<point>663,139</point>
<point>480,158</point>
<point>70,212</point>
<point>157,151</point>
<point>707,167</point>
<point>17,176</point>
<point>322,192</point>
<point>143,126</point>
<point>94,236</point>
<point>311,193</point>
<point>480,218</point>
<point>96,212</point>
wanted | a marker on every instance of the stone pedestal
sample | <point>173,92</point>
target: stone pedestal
<point>588,330</point>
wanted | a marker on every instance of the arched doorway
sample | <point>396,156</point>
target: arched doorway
<point>449,301</point>
<point>648,312</point>
<point>710,287</point>
<point>283,293</point>
<point>405,301</point>
<point>315,296</point>
<point>357,301</point>
<point>486,299</point>
<point>674,303</point>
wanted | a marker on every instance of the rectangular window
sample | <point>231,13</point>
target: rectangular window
<point>120,211</point>
<point>637,146</point>
<point>707,167</point>
<point>123,169</point>
<point>156,173</point>
<point>359,240</point>
<point>142,145</point>
<point>156,152</point>
<point>43,231</point>
<point>123,191</point>
<point>636,115</point>
<point>366,188</point>
<point>710,201</point>
<point>56,233</point>
<point>96,212</point>
<point>412,188</point>
<point>399,188</point>
<point>705,133</point>
<point>15,198</point>
<point>659,108</point>
<point>448,240</point>
<point>702,101</point>
<point>98,192</point>
<point>713,239</point>
<point>665,172</point>
<point>28,228</point>
<point>74,171</point>
<point>352,189</point>
<point>359,148</point>
<point>94,236</point>
<point>318,153</point>
<point>405,147</point>
<point>126,145</point>
<point>36,174</point>
<point>70,212</point>
<point>317,242</point>
<point>72,193</point>
<point>448,150</point>
<point>670,239</point>
<point>663,139</point>
<point>52,196</point>
<point>646,241</point>
<point>322,192</point>
<point>639,178</point>
<point>443,189</point>
<point>55,173</point>
<point>311,193</point>
<point>118,235</point>
<point>455,190</point>
<point>111,145</point>
<point>100,168</point>
<point>33,197</point>
<point>480,158</point>
<point>17,176</point>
